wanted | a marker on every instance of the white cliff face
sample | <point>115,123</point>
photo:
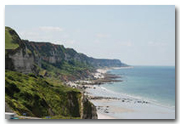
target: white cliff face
<point>22,61</point>
<point>67,57</point>
<point>52,59</point>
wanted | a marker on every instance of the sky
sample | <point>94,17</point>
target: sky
<point>137,35</point>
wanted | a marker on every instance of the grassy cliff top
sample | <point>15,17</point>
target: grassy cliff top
<point>11,39</point>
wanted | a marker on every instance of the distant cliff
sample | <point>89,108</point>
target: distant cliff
<point>56,54</point>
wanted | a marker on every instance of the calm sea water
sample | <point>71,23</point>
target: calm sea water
<point>152,83</point>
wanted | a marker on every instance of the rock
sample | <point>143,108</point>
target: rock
<point>106,111</point>
<point>89,110</point>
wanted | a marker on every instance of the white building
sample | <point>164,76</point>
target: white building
<point>9,115</point>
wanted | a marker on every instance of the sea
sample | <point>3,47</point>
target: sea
<point>155,84</point>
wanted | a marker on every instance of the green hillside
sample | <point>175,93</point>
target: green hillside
<point>40,98</point>
<point>11,39</point>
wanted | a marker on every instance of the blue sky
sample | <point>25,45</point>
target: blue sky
<point>137,35</point>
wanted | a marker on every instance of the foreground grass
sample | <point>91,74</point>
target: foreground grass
<point>39,97</point>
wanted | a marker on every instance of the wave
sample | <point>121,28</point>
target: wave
<point>135,98</point>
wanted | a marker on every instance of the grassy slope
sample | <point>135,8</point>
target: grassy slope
<point>39,97</point>
<point>9,40</point>
<point>75,70</point>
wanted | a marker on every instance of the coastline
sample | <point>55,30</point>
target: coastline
<point>124,107</point>
<point>112,105</point>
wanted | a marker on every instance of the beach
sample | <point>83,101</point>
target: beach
<point>103,116</point>
<point>113,105</point>
<point>120,106</point>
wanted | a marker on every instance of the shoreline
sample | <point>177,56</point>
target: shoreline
<point>113,105</point>
<point>125,107</point>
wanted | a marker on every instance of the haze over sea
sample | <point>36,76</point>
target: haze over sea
<point>153,83</point>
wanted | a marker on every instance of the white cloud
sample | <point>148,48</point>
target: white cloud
<point>102,35</point>
<point>44,33</point>
<point>26,33</point>
<point>50,28</point>
<point>125,43</point>
<point>33,35</point>
<point>129,44</point>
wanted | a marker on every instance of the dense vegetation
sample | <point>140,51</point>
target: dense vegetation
<point>41,97</point>
<point>66,71</point>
